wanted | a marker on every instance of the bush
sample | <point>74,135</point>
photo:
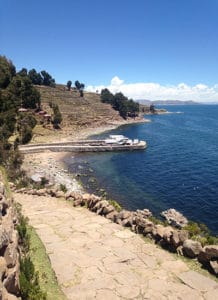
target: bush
<point>29,281</point>
<point>63,188</point>
<point>115,204</point>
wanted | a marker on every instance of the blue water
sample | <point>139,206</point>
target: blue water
<point>179,168</point>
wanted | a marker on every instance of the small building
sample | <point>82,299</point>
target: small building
<point>22,109</point>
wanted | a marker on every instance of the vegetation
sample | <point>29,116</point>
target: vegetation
<point>16,91</point>
<point>80,87</point>
<point>42,78</point>
<point>63,188</point>
<point>116,205</point>
<point>69,83</point>
<point>29,278</point>
<point>57,119</point>
<point>201,233</point>
<point>126,107</point>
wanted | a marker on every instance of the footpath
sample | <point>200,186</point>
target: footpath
<point>94,258</point>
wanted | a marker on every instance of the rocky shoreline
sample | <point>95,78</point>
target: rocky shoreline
<point>174,238</point>
<point>141,222</point>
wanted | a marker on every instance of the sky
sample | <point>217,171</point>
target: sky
<point>147,49</point>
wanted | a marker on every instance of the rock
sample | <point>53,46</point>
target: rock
<point>148,228</point>
<point>86,197</point>
<point>107,209</point>
<point>145,213</point>
<point>4,237</point>
<point>92,202</point>
<point>158,232</point>
<point>11,282</point>
<point>41,192</point>
<point>124,214</point>
<point>2,188</point>
<point>209,256</point>
<point>60,194</point>
<point>174,218</point>
<point>78,202</point>
<point>112,215</point>
<point>11,255</point>
<point>3,267</point>
<point>178,237</point>
<point>191,248</point>
<point>214,266</point>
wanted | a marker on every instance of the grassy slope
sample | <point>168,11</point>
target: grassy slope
<point>47,279</point>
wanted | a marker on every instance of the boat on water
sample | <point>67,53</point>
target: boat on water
<point>120,140</point>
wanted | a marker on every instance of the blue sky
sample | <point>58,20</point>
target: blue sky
<point>167,46</point>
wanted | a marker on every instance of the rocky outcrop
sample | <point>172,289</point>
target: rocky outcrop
<point>9,254</point>
<point>174,218</point>
<point>209,257</point>
<point>173,238</point>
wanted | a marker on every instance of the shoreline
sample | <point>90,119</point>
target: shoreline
<point>52,165</point>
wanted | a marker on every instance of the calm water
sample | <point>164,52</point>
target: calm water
<point>179,168</point>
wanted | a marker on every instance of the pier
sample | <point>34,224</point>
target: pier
<point>82,146</point>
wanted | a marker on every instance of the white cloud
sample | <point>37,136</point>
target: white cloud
<point>154,91</point>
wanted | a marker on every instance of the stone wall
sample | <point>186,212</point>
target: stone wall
<point>9,254</point>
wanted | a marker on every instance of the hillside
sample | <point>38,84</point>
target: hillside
<point>78,113</point>
<point>166,102</point>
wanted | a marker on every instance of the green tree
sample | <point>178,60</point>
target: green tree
<point>57,119</point>
<point>7,71</point>
<point>77,85</point>
<point>107,96</point>
<point>69,83</point>
<point>47,79</point>
<point>35,77</point>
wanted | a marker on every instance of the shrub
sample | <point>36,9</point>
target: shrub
<point>115,204</point>
<point>63,188</point>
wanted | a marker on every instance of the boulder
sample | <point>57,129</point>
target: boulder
<point>11,282</point>
<point>60,194</point>
<point>208,253</point>
<point>86,197</point>
<point>178,237</point>
<point>11,255</point>
<point>191,248</point>
<point>107,209</point>
<point>174,218</point>
<point>3,267</point>
<point>214,266</point>
<point>92,202</point>
<point>112,215</point>
<point>145,213</point>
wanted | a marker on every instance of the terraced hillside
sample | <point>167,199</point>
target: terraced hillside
<point>78,111</point>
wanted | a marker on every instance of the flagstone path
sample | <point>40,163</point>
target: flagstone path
<point>94,258</point>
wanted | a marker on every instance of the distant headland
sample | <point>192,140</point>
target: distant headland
<point>167,102</point>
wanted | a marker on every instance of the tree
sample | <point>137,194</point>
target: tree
<point>7,71</point>
<point>22,72</point>
<point>80,87</point>
<point>35,77</point>
<point>57,119</point>
<point>77,84</point>
<point>47,79</point>
<point>152,109</point>
<point>69,83</point>
<point>107,96</point>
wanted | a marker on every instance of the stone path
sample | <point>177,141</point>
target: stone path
<point>96,259</point>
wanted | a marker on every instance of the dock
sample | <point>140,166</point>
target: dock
<point>82,146</point>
